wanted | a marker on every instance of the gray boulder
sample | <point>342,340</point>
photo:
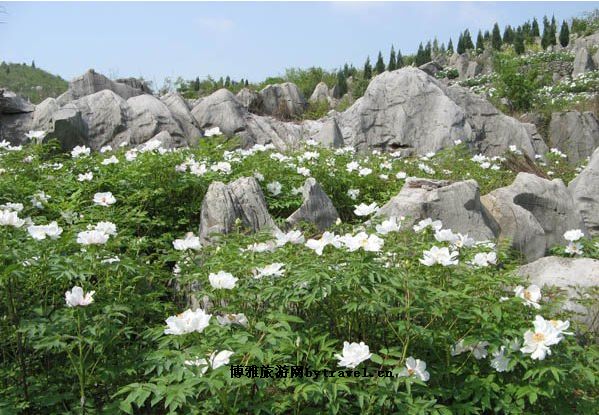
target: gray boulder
<point>575,276</point>
<point>431,68</point>
<point>574,133</point>
<point>317,208</point>
<point>181,113</point>
<point>473,69</point>
<point>585,192</point>
<point>583,62</point>
<point>69,126</point>
<point>251,100</point>
<point>330,134</point>
<point>222,110</point>
<point>147,117</point>
<point>405,108</point>
<point>533,213</point>
<point>283,100</point>
<point>320,94</point>
<point>224,204</point>
<point>461,63</point>
<point>42,116</point>
<point>92,82</point>
<point>16,117</point>
<point>11,103</point>
<point>457,205</point>
<point>136,83</point>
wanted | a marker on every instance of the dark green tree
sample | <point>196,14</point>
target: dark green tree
<point>419,58</point>
<point>480,43</point>
<point>435,47</point>
<point>227,81</point>
<point>450,46</point>
<point>33,64</point>
<point>487,36</point>
<point>553,34</point>
<point>399,60</point>
<point>341,82</point>
<point>508,35</point>
<point>468,45</point>
<point>392,65</point>
<point>546,39</point>
<point>380,64</point>
<point>534,30</point>
<point>519,42</point>
<point>496,37</point>
<point>196,84</point>
<point>247,83</point>
<point>461,49</point>
<point>428,52</point>
<point>564,34</point>
<point>367,69</point>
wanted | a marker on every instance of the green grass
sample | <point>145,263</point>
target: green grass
<point>25,80</point>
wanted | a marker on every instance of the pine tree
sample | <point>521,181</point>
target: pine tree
<point>392,65</point>
<point>461,49</point>
<point>480,43</point>
<point>496,37</point>
<point>442,50</point>
<point>553,34</point>
<point>247,83</point>
<point>196,84</point>
<point>227,82</point>
<point>435,47</point>
<point>380,64</point>
<point>419,58</point>
<point>367,69</point>
<point>341,83</point>
<point>468,45</point>
<point>487,36</point>
<point>546,39</point>
<point>534,31</point>
<point>221,82</point>
<point>564,34</point>
<point>428,52</point>
<point>450,46</point>
<point>508,35</point>
<point>519,42</point>
<point>399,61</point>
<point>33,64</point>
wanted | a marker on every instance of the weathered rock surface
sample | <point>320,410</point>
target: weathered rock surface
<point>222,110</point>
<point>320,94</point>
<point>571,275</point>
<point>224,204</point>
<point>431,68</point>
<point>533,213</point>
<point>42,116</point>
<point>283,100</point>
<point>405,108</point>
<point>583,62</point>
<point>70,126</point>
<point>585,192</point>
<point>16,117</point>
<point>317,208</point>
<point>92,82</point>
<point>136,84</point>
<point>457,205</point>
<point>330,134</point>
<point>147,117</point>
<point>11,103</point>
<point>251,100</point>
<point>181,113</point>
<point>574,133</point>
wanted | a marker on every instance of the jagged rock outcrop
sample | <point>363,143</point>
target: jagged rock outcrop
<point>42,116</point>
<point>431,68</point>
<point>16,116</point>
<point>251,100</point>
<point>317,207</point>
<point>583,62</point>
<point>68,124</point>
<point>572,275</point>
<point>585,193</point>
<point>224,204</point>
<point>222,110</point>
<point>575,133</point>
<point>330,134</point>
<point>405,108</point>
<point>11,103</point>
<point>283,100</point>
<point>181,113</point>
<point>92,82</point>
<point>533,213</point>
<point>492,131</point>
<point>457,205</point>
<point>149,116</point>
<point>136,84</point>
<point>320,94</point>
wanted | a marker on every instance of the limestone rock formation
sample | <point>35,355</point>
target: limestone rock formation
<point>585,192</point>
<point>571,275</point>
<point>283,100</point>
<point>457,205</point>
<point>317,208</point>
<point>533,213</point>
<point>147,117</point>
<point>321,93</point>
<point>181,113</point>
<point>330,134</point>
<point>583,62</point>
<point>92,82</point>
<point>574,133</point>
<point>224,204</point>
<point>222,110</point>
<point>251,100</point>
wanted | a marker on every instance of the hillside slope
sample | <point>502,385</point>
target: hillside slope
<point>33,83</point>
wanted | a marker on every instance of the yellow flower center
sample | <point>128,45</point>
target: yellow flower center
<point>527,295</point>
<point>411,372</point>
<point>538,337</point>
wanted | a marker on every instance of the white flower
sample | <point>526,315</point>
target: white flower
<point>229,319</point>
<point>445,235</point>
<point>459,348</point>
<point>365,171</point>
<point>108,228</point>
<point>425,168</point>
<point>537,342</point>
<point>76,297</point>
<point>573,235</point>
<point>389,225</point>
<point>212,132</point>
<point>36,136</point>
<point>189,242</point>
<point>105,149</point>
<point>110,160</point>
<point>500,362</point>
<point>530,295</point>
<point>198,169</point>
<point>39,232</point>
<point>425,223</point>
<point>104,199</point>
<point>293,237</point>
<point>131,155</point>
<point>369,243</point>
<point>462,241</point>
<point>259,176</point>
<point>440,256</point>
<point>220,359</point>
<point>303,171</point>
<point>384,176</point>
<point>80,151</point>
<point>352,166</point>
<point>274,188</point>
<point>222,166</point>
<point>187,322</point>
<point>110,260</point>
<point>457,142</point>
<point>15,207</point>
<point>327,238</point>
<point>222,280</point>
<point>85,177</point>
<point>479,350</point>
<point>272,270</point>
<point>261,247</point>
<point>560,326</point>
<point>515,150</point>
<point>91,238</point>
<point>353,193</point>
<point>39,199</point>
<point>10,218</point>
<point>401,175</point>
<point>483,259</point>
<point>353,354</point>
<point>364,210</point>
<point>574,248</point>
<point>415,367</point>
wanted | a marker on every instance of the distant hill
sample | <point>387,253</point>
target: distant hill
<point>31,82</point>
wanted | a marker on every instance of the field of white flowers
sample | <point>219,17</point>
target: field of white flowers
<point>111,304</point>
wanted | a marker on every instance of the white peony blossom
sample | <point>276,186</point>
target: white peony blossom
<point>187,322</point>
<point>573,235</point>
<point>108,228</point>
<point>229,319</point>
<point>104,199</point>
<point>388,225</point>
<point>500,362</point>
<point>537,342</point>
<point>353,193</point>
<point>353,354</point>
<point>369,243</point>
<point>10,218</point>
<point>39,199</point>
<point>77,298</point>
<point>293,237</point>
<point>92,237</point>
<point>530,295</point>
<point>483,259</point>
<point>440,256</point>
<point>222,280</point>
<point>189,242</point>
<point>110,160</point>
<point>272,270</point>
<point>210,132</point>
<point>274,188</point>
<point>425,223</point>
<point>80,151</point>
<point>85,177</point>
<point>15,207</point>
<point>327,238</point>
<point>364,210</point>
<point>39,232</point>
<point>415,367</point>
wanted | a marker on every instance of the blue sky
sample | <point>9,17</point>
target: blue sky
<point>249,40</point>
